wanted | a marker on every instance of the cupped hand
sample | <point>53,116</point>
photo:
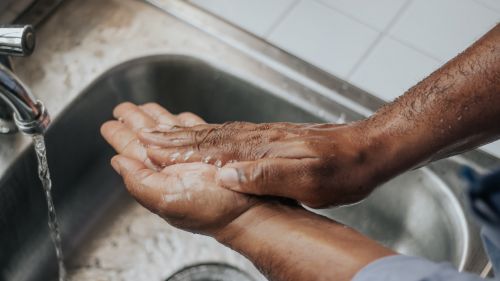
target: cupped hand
<point>317,164</point>
<point>185,195</point>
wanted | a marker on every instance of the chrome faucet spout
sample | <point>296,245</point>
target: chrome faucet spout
<point>28,114</point>
<point>19,110</point>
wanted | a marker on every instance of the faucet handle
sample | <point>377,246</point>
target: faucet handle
<point>17,40</point>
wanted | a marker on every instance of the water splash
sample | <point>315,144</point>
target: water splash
<point>44,175</point>
<point>206,160</point>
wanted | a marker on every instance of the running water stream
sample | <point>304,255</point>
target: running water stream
<point>44,175</point>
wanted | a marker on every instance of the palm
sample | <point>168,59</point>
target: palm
<point>186,195</point>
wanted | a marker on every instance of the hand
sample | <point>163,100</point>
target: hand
<point>316,164</point>
<point>185,195</point>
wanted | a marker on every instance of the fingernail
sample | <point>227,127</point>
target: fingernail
<point>115,164</point>
<point>228,177</point>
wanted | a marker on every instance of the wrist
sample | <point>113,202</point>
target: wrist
<point>383,155</point>
<point>285,236</point>
<point>257,217</point>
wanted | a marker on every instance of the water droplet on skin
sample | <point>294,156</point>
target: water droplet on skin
<point>341,119</point>
<point>441,120</point>
<point>174,156</point>
<point>140,143</point>
<point>170,198</point>
<point>218,164</point>
<point>466,108</point>
<point>206,160</point>
<point>449,127</point>
<point>459,118</point>
<point>188,155</point>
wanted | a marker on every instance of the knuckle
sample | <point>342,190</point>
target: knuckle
<point>122,107</point>
<point>259,176</point>
<point>124,104</point>
<point>185,115</point>
<point>210,137</point>
<point>199,138</point>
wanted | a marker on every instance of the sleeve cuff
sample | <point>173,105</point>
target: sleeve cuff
<point>407,268</point>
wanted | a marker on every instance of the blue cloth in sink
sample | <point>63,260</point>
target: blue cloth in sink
<point>484,197</point>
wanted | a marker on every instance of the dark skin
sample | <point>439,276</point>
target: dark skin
<point>187,196</point>
<point>456,108</point>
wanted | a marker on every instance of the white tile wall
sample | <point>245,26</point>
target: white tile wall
<point>250,15</point>
<point>445,27</point>
<point>391,67</point>
<point>382,46</point>
<point>324,37</point>
<point>377,14</point>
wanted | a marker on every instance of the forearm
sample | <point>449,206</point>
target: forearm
<point>290,244</point>
<point>456,108</point>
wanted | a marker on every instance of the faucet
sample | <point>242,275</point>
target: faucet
<point>19,110</point>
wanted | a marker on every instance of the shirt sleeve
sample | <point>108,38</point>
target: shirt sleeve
<point>406,268</point>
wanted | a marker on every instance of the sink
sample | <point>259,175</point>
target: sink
<point>106,235</point>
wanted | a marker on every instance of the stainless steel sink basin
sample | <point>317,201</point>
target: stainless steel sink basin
<point>107,236</point>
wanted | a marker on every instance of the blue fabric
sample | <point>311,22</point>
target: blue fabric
<point>406,268</point>
<point>484,196</point>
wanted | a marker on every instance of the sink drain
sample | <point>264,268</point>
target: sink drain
<point>210,272</point>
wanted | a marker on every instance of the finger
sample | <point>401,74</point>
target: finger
<point>123,140</point>
<point>167,156</point>
<point>164,193</point>
<point>291,178</point>
<point>192,136</point>
<point>161,116</point>
<point>189,119</point>
<point>133,116</point>
<point>145,185</point>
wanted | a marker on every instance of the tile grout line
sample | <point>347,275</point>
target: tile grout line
<point>379,38</point>
<point>411,46</point>
<point>280,19</point>
<point>328,6</point>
